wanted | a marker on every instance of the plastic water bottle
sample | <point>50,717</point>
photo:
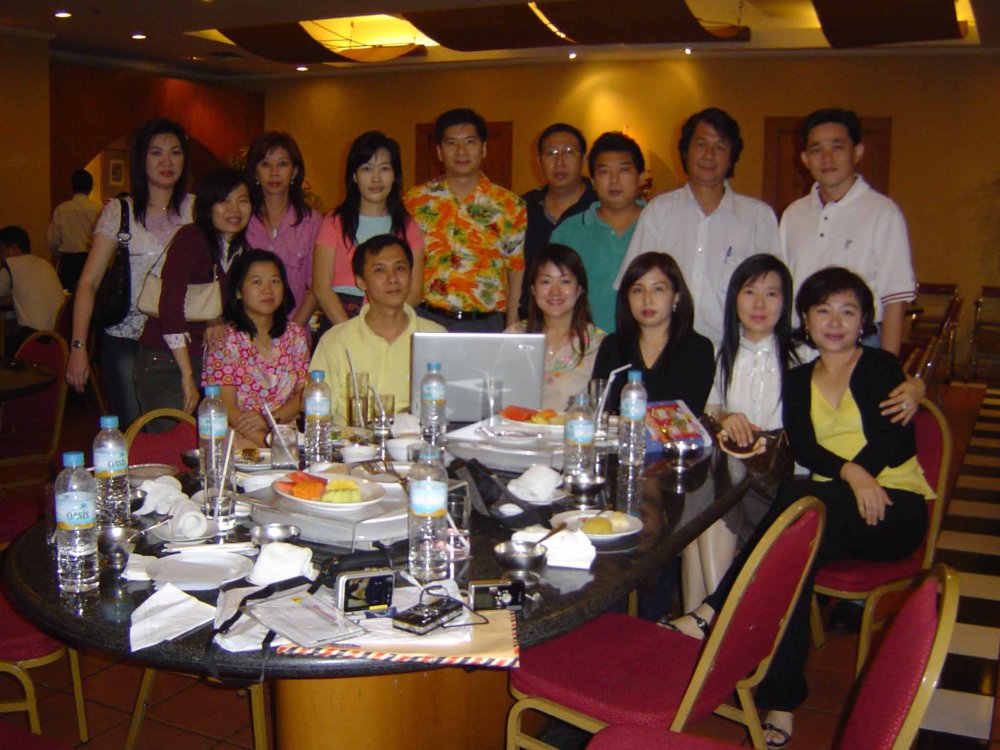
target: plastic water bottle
<point>428,522</point>
<point>213,425</point>
<point>317,408</point>
<point>433,391</point>
<point>111,473</point>
<point>76,526</point>
<point>578,445</point>
<point>632,421</point>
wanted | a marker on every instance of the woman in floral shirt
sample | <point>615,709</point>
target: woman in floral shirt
<point>558,307</point>
<point>264,357</point>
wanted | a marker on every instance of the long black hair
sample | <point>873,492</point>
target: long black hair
<point>565,259</point>
<point>681,318</point>
<point>213,188</point>
<point>263,145</point>
<point>753,268</point>
<point>362,151</point>
<point>141,139</point>
<point>234,311</point>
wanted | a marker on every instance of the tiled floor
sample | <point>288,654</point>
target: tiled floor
<point>188,713</point>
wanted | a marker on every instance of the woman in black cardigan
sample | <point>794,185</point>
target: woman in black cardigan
<point>655,319</point>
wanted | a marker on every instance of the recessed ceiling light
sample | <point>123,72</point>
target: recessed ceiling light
<point>572,55</point>
<point>63,14</point>
<point>687,50</point>
<point>138,35</point>
<point>302,68</point>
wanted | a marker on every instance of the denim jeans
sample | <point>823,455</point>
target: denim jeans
<point>118,361</point>
<point>158,382</point>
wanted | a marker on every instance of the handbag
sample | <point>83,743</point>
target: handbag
<point>114,294</point>
<point>768,460</point>
<point>201,301</point>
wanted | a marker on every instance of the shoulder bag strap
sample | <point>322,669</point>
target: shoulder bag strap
<point>124,235</point>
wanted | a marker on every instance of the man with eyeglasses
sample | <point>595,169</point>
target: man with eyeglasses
<point>566,192</point>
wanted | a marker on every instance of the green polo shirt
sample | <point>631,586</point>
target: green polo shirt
<point>602,251</point>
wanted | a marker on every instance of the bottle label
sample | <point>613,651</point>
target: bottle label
<point>433,391</point>
<point>318,407</point>
<point>633,407</point>
<point>76,510</point>
<point>110,462</point>
<point>213,425</point>
<point>428,497</point>
<point>580,431</point>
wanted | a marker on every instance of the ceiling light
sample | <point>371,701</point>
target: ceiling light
<point>687,50</point>
<point>367,38</point>
<point>63,14</point>
<point>551,26</point>
<point>138,35</point>
<point>572,55</point>
<point>302,68</point>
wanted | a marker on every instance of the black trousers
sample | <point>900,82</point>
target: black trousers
<point>845,535</point>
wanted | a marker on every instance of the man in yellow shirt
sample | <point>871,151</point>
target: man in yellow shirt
<point>379,337</point>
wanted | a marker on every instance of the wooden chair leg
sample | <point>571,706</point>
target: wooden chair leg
<point>632,607</point>
<point>816,624</point>
<point>141,703</point>
<point>258,717</point>
<point>81,707</point>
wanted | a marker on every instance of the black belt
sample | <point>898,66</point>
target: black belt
<point>459,314</point>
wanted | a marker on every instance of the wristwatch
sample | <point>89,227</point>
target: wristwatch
<point>78,344</point>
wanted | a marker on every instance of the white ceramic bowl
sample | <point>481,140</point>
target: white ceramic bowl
<point>397,447</point>
<point>355,453</point>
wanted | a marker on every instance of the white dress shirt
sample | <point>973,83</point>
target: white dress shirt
<point>754,385</point>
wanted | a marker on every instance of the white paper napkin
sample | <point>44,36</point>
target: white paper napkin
<point>536,485</point>
<point>567,549</point>
<point>167,614</point>
<point>135,568</point>
<point>246,634</point>
<point>162,494</point>
<point>187,521</point>
<point>279,561</point>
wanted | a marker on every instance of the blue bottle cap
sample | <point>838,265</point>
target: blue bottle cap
<point>109,422</point>
<point>212,390</point>
<point>72,459</point>
<point>433,367</point>
<point>634,375</point>
<point>317,376</point>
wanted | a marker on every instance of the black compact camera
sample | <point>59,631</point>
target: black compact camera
<point>424,617</point>
<point>496,594</point>
<point>365,590</point>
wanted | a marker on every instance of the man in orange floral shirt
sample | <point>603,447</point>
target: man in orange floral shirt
<point>473,233</point>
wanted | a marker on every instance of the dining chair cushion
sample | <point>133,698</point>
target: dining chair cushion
<point>163,447</point>
<point>19,639</point>
<point>616,668</point>
<point>25,441</point>
<point>852,574</point>
<point>14,737</point>
<point>630,737</point>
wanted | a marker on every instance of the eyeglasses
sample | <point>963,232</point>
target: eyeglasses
<point>554,153</point>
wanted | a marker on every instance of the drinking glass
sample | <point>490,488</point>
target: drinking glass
<point>285,447</point>
<point>594,391</point>
<point>357,399</point>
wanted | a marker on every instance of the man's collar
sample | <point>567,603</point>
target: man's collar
<point>860,186</point>
<point>728,203</point>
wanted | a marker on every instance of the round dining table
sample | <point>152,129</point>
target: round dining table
<point>360,703</point>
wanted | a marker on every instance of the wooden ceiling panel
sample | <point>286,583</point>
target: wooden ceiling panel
<point>282,42</point>
<point>864,23</point>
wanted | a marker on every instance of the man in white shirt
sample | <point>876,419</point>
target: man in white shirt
<point>71,227</point>
<point>31,282</point>
<point>844,222</point>
<point>707,227</point>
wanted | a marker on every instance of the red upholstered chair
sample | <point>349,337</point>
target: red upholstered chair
<point>896,690</point>
<point>619,669</point>
<point>161,447</point>
<point>23,647</point>
<point>12,737</point>
<point>30,426</point>
<point>855,579</point>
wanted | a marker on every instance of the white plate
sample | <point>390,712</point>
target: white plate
<point>552,430</point>
<point>556,494</point>
<point>163,532</point>
<point>574,520</point>
<point>263,462</point>
<point>195,571</point>
<point>504,435</point>
<point>401,467</point>
<point>371,493</point>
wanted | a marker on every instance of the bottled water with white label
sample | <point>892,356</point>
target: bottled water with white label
<point>76,526</point>
<point>213,425</point>
<point>578,445</point>
<point>428,521</point>
<point>111,473</point>
<point>433,391</point>
<point>632,421</point>
<point>317,409</point>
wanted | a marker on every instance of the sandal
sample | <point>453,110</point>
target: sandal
<point>700,621</point>
<point>786,737</point>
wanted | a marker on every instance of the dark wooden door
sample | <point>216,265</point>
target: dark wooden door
<point>498,164</point>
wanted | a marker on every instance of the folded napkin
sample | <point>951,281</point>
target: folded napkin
<point>405,425</point>
<point>564,580</point>
<point>279,561</point>
<point>536,485</point>
<point>167,614</point>
<point>187,521</point>
<point>567,549</point>
<point>246,634</point>
<point>135,568</point>
<point>162,494</point>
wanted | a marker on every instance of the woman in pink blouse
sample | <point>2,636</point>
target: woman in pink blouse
<point>282,221</point>
<point>264,357</point>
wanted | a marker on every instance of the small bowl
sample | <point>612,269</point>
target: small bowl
<point>274,532</point>
<point>136,498</point>
<point>353,454</point>
<point>397,447</point>
<point>112,543</point>
<point>583,484</point>
<point>191,458</point>
<point>520,555</point>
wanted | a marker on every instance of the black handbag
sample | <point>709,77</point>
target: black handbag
<point>114,295</point>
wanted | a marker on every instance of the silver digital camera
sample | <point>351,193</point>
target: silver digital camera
<point>365,590</point>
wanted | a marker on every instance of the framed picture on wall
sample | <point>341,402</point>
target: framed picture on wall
<point>115,173</point>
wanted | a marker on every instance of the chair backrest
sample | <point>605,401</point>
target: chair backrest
<point>753,618</point>
<point>897,687</point>
<point>161,447</point>
<point>934,448</point>
<point>41,412</point>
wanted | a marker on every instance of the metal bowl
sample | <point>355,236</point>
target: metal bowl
<point>136,498</point>
<point>583,484</point>
<point>520,555</point>
<point>191,458</point>
<point>112,543</point>
<point>274,532</point>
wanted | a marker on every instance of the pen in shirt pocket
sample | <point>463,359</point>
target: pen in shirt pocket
<point>729,251</point>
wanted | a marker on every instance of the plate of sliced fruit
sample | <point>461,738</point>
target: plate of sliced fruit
<point>327,494</point>
<point>544,421</point>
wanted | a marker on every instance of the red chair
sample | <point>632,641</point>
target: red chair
<point>12,737</point>
<point>161,447</point>
<point>895,693</point>
<point>855,579</point>
<point>31,426</point>
<point>619,669</point>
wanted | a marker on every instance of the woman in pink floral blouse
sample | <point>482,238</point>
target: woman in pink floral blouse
<point>264,357</point>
